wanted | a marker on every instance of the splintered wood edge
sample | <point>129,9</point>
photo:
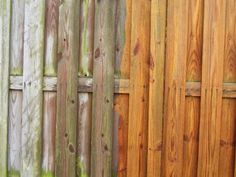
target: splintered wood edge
<point>85,85</point>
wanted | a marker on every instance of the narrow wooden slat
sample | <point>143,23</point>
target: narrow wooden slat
<point>15,101</point>
<point>228,117</point>
<point>156,87</point>
<point>176,54</point>
<point>85,99</point>
<point>51,30</point>
<point>193,74</point>
<point>138,100</point>
<point>86,38</point>
<point>211,90</point>
<point>66,124</point>
<point>49,131</point>
<point>14,135</point>
<point>5,17</point>
<point>103,90</point>
<point>84,134</point>
<point>32,88</point>
<point>122,72</point>
<point>17,37</point>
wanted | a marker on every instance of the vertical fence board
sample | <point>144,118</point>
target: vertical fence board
<point>49,131</point>
<point>176,54</point>
<point>228,117</point>
<point>122,70</point>
<point>103,89</point>
<point>85,99</point>
<point>15,100</point>
<point>156,86</point>
<point>5,17</point>
<point>211,91</point>
<point>68,49</point>
<point>32,88</point>
<point>15,116</point>
<point>192,111</point>
<point>139,74</point>
<point>51,32</point>
<point>17,37</point>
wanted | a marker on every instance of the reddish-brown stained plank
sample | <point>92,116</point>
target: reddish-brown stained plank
<point>49,133</point>
<point>211,90</point>
<point>139,79</point>
<point>176,54</point>
<point>68,45</point>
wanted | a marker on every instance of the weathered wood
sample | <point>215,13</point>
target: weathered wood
<point>17,37</point>
<point>14,135</point>
<point>156,87</point>
<point>86,38</point>
<point>211,94</point>
<point>139,79</point>
<point>32,88</point>
<point>85,99</point>
<point>176,54</point>
<point>5,17</point>
<point>49,132</point>
<point>103,90</point>
<point>84,134</point>
<point>68,45</point>
<point>51,32</point>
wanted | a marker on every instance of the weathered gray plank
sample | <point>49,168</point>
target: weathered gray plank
<point>103,90</point>
<point>5,16</point>
<point>32,88</point>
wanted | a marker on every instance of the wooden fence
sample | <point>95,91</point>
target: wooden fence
<point>127,88</point>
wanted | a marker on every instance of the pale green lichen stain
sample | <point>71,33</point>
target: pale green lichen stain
<point>47,174</point>
<point>81,172</point>
<point>50,71</point>
<point>13,173</point>
<point>16,71</point>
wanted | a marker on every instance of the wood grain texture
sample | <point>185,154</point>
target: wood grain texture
<point>5,17</point>
<point>86,38</point>
<point>211,95</point>
<point>176,54</point>
<point>156,87</point>
<point>32,88</point>
<point>121,101</point>
<point>68,51</point>
<point>84,134</point>
<point>103,90</point>
<point>120,131</point>
<point>49,133</point>
<point>17,37</point>
<point>51,34</point>
<point>193,74</point>
<point>14,135</point>
<point>139,78</point>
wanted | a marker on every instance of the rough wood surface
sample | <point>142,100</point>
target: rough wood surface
<point>175,75</point>
<point>32,88</point>
<point>68,53</point>
<point>5,17</point>
<point>211,95</point>
<point>103,90</point>
<point>139,79</point>
<point>156,87</point>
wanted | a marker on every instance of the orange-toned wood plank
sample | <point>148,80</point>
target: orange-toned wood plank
<point>139,79</point>
<point>120,140</point>
<point>211,91</point>
<point>176,55</point>
<point>156,86</point>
